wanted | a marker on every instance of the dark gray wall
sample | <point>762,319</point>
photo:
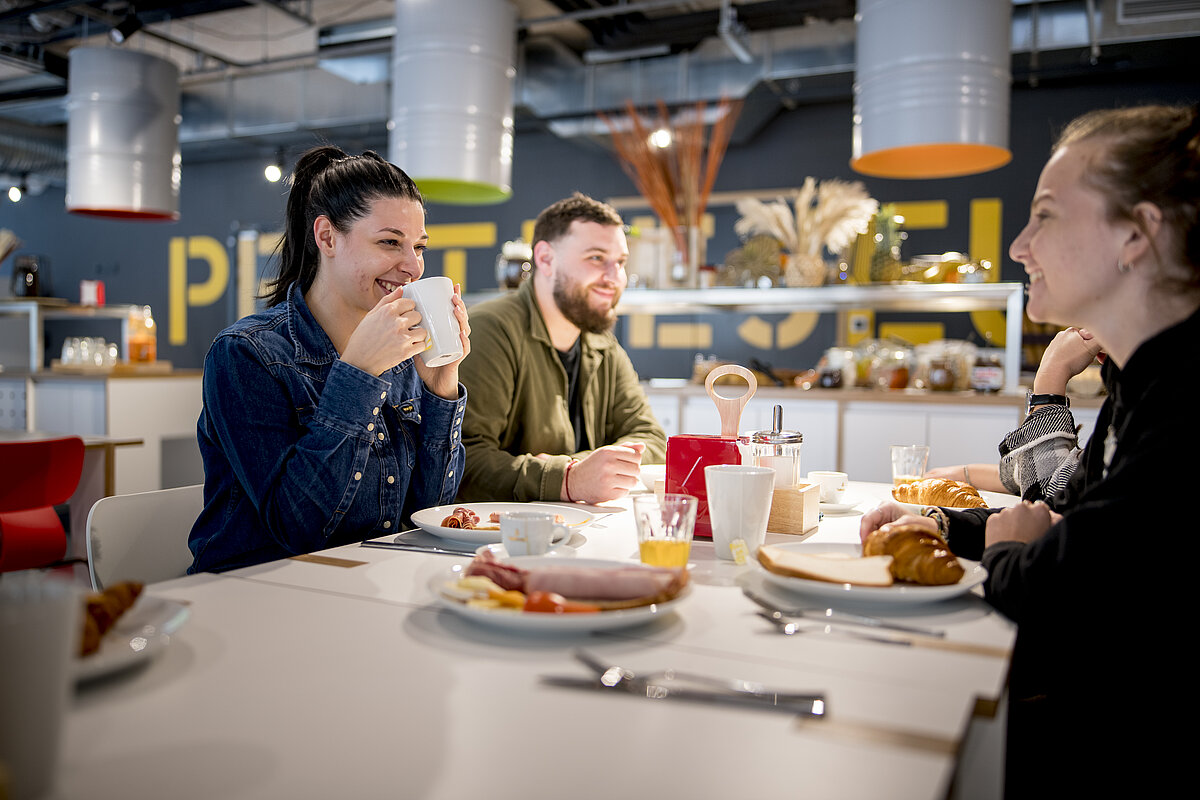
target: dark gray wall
<point>220,198</point>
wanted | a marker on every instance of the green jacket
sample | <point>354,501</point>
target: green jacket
<point>517,407</point>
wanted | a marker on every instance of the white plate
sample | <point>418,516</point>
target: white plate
<point>992,499</point>
<point>140,634</point>
<point>554,623</point>
<point>847,505</point>
<point>430,519</point>
<point>896,594</point>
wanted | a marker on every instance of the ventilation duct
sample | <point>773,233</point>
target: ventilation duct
<point>122,135</point>
<point>452,98</point>
<point>931,89</point>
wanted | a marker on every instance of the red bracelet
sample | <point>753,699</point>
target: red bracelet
<point>567,481</point>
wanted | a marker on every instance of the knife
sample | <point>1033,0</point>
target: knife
<point>812,705</point>
<point>830,615</point>
<point>419,548</point>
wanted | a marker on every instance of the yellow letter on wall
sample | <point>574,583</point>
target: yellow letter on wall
<point>181,295</point>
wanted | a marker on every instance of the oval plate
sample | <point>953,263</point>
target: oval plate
<point>430,519</point>
<point>554,623</point>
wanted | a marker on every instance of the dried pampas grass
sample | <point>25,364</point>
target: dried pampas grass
<point>825,216</point>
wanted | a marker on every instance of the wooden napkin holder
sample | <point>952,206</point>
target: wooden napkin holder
<point>795,510</point>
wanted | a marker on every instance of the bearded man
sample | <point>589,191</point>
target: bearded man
<point>556,410</point>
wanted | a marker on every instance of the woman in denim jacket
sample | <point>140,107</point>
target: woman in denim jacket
<point>319,427</point>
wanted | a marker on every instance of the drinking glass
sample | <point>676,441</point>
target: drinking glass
<point>908,462</point>
<point>665,524</point>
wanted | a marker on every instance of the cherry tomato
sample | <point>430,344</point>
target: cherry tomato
<point>553,603</point>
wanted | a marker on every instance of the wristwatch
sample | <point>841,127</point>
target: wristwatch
<point>1033,400</point>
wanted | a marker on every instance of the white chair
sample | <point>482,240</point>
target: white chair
<point>142,537</point>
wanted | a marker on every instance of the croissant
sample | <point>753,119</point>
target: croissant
<point>918,555</point>
<point>939,492</point>
<point>102,611</point>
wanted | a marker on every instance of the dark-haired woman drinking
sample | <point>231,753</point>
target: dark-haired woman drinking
<point>319,426</point>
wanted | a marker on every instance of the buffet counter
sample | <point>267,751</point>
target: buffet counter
<point>849,430</point>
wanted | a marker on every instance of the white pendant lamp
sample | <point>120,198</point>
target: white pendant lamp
<point>122,135</point>
<point>452,98</point>
<point>931,90</point>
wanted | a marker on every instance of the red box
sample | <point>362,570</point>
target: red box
<point>687,456</point>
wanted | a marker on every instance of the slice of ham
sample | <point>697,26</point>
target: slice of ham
<point>506,576</point>
<point>461,517</point>
<point>581,583</point>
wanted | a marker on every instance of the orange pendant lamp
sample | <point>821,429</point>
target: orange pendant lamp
<point>931,89</point>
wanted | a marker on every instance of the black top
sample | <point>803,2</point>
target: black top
<point>1104,600</point>
<point>570,361</point>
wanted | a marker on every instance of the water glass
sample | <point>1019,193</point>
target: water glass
<point>908,462</point>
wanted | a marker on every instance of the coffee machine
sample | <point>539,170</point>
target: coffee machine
<point>30,276</point>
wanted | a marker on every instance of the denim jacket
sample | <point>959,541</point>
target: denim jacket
<point>303,451</point>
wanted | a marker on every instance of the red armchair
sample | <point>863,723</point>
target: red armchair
<point>35,476</point>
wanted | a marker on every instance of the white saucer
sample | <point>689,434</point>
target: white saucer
<point>497,549</point>
<point>845,507</point>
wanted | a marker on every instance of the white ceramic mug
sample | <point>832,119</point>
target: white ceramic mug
<point>434,304</point>
<point>530,533</point>
<point>739,504</point>
<point>833,485</point>
<point>39,636</point>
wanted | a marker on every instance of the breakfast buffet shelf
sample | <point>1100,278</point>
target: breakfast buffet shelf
<point>944,297</point>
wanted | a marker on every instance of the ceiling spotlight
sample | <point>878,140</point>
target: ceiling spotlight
<point>14,193</point>
<point>274,169</point>
<point>661,138</point>
<point>125,28</point>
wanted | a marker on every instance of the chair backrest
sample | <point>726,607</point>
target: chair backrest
<point>142,537</point>
<point>39,473</point>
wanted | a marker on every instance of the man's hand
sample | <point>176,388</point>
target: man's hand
<point>607,473</point>
<point>1025,522</point>
<point>886,514</point>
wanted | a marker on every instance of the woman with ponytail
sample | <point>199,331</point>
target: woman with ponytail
<point>319,427</point>
<point>1097,579</point>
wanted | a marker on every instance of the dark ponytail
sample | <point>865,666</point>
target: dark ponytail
<point>328,182</point>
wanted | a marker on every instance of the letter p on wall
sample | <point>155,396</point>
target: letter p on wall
<point>180,294</point>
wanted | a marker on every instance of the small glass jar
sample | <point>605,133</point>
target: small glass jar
<point>779,450</point>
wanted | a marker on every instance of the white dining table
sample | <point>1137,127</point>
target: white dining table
<point>340,675</point>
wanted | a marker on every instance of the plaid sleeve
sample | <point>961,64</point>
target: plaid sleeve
<point>1039,457</point>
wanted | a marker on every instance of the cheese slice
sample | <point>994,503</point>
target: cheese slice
<point>830,567</point>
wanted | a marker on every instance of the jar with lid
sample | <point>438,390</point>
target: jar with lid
<point>779,450</point>
<point>143,336</point>
<point>943,374</point>
<point>987,375</point>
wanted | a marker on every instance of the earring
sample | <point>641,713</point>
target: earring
<point>1123,267</point>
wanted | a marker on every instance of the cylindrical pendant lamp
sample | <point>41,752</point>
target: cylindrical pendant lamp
<point>122,135</point>
<point>452,98</point>
<point>931,90</point>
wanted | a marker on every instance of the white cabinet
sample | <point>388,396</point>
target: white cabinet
<point>956,434</point>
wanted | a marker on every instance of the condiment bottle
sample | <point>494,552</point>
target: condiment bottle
<point>143,336</point>
<point>988,373</point>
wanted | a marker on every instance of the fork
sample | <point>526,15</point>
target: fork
<point>793,628</point>
<point>831,616</point>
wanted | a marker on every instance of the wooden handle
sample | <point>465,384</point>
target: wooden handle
<point>730,408</point>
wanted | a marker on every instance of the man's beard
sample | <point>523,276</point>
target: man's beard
<point>572,301</point>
